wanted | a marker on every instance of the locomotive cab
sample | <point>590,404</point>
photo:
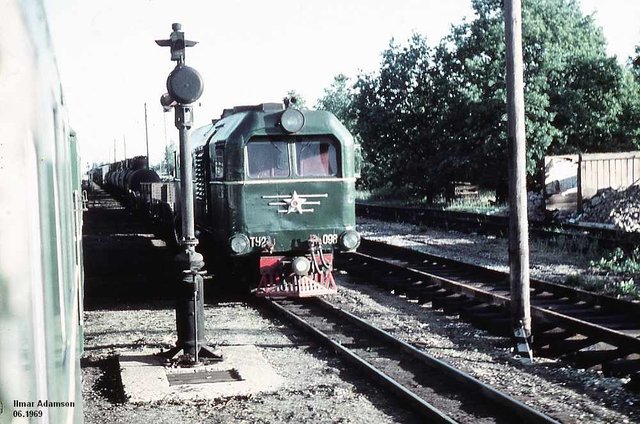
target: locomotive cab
<point>278,186</point>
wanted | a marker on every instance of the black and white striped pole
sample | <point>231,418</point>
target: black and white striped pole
<point>185,86</point>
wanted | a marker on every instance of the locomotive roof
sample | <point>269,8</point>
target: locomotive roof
<point>240,123</point>
<point>262,107</point>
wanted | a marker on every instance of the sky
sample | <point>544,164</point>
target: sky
<point>249,52</point>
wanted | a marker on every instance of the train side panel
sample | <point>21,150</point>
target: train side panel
<point>40,256</point>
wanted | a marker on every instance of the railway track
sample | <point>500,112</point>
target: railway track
<point>587,329</point>
<point>574,236</point>
<point>437,391</point>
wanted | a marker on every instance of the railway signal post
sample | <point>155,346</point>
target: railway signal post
<point>185,86</point>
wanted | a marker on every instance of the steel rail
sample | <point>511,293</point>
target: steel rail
<point>611,336</point>
<point>537,284</point>
<point>517,408</point>
<point>418,404</point>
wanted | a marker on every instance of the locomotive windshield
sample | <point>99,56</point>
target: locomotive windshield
<point>268,159</point>
<point>316,157</point>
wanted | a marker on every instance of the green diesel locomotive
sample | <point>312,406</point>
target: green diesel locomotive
<point>274,191</point>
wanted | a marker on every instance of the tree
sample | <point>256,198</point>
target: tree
<point>338,99</point>
<point>299,102</point>
<point>390,110</point>
<point>573,91</point>
<point>430,116</point>
<point>167,164</point>
<point>634,62</point>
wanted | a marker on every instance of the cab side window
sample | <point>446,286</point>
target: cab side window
<point>218,163</point>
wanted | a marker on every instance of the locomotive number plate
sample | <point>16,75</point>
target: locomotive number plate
<point>262,241</point>
<point>329,238</point>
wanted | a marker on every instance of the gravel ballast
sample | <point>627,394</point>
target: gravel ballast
<point>319,388</point>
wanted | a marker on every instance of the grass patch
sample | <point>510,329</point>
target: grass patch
<point>616,274</point>
<point>405,196</point>
<point>391,195</point>
<point>484,202</point>
<point>618,262</point>
<point>623,288</point>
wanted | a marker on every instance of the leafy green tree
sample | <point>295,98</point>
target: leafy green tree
<point>634,62</point>
<point>300,101</point>
<point>431,116</point>
<point>573,91</point>
<point>167,164</point>
<point>390,110</point>
<point>338,99</point>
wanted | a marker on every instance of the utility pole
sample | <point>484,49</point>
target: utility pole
<point>124,144</point>
<point>185,86</point>
<point>146,132</point>
<point>518,224</point>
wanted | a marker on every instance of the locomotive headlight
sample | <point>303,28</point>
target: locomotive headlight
<point>301,266</point>
<point>239,244</point>
<point>292,120</point>
<point>349,240</point>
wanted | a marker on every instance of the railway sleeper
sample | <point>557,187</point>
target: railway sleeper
<point>412,285</point>
<point>575,309</point>
<point>634,382</point>
<point>612,321</point>
<point>632,328</point>
<point>495,323</point>
<point>540,327</point>
<point>416,295</point>
<point>429,295</point>
<point>545,338</point>
<point>452,302</point>
<point>566,346</point>
<point>622,367</point>
<point>395,283</point>
<point>595,358</point>
<point>553,302</point>
<point>426,288</point>
<point>454,309</point>
<point>482,307</point>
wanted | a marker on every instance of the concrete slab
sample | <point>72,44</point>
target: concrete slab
<point>144,376</point>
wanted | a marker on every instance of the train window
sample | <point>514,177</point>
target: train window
<point>316,158</point>
<point>218,171</point>
<point>268,159</point>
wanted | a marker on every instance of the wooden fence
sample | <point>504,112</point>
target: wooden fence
<point>571,179</point>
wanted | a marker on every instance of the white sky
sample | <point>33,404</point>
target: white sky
<point>250,52</point>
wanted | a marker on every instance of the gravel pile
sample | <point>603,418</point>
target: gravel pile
<point>617,207</point>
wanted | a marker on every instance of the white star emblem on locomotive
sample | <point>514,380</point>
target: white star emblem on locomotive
<point>295,202</point>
